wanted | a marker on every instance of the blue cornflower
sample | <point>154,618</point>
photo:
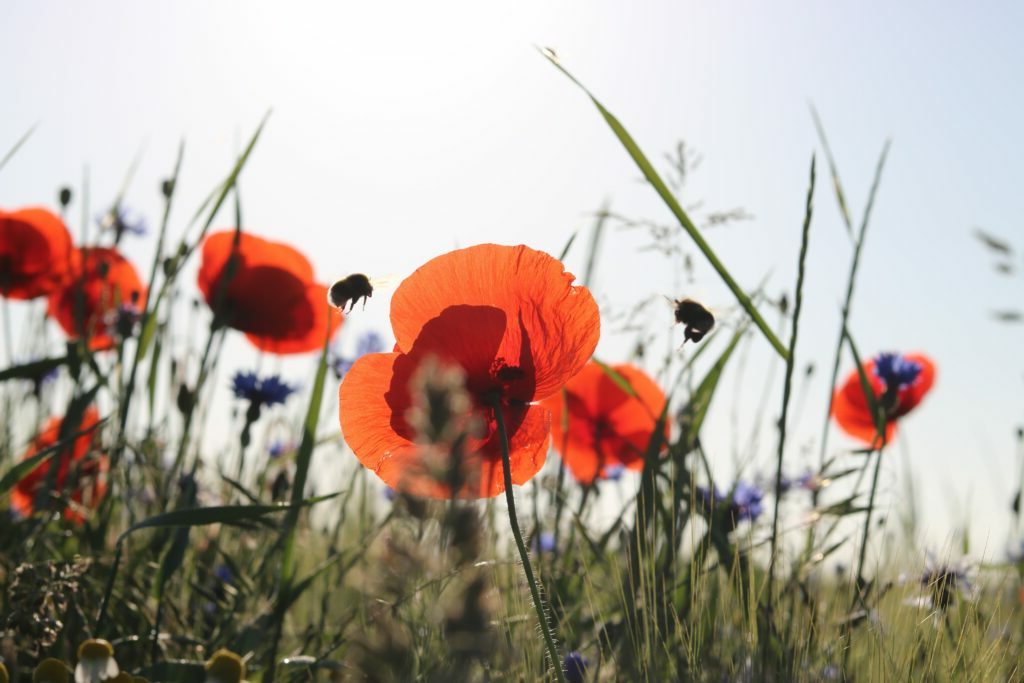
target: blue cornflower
<point>746,501</point>
<point>265,392</point>
<point>708,498</point>
<point>896,370</point>
<point>574,666</point>
<point>223,573</point>
<point>122,221</point>
<point>543,542</point>
<point>279,448</point>
<point>809,481</point>
<point>368,342</point>
<point>613,472</point>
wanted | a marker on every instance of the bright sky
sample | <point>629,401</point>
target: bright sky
<point>401,130</point>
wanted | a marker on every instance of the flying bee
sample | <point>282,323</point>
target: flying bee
<point>697,319</point>
<point>349,290</point>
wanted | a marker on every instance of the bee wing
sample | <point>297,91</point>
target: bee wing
<point>385,283</point>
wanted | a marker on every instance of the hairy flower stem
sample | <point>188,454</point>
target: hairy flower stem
<point>506,468</point>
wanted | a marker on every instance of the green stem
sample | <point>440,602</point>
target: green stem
<point>786,392</point>
<point>859,587</point>
<point>506,467</point>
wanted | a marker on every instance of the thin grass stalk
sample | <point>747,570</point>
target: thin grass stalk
<point>767,635</point>
<point>848,300</point>
<point>303,457</point>
<point>787,389</point>
<point>524,556</point>
<point>645,166</point>
<point>17,145</point>
<point>862,555</point>
<point>845,311</point>
<point>150,310</point>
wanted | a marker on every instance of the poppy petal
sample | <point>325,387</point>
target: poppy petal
<point>912,394</point>
<point>88,471</point>
<point>299,326</point>
<point>269,296</point>
<point>551,324</point>
<point>367,416</point>
<point>375,399</point>
<point>606,426</point>
<point>102,281</point>
<point>851,412</point>
<point>253,252</point>
<point>35,253</point>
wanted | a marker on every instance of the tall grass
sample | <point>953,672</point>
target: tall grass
<point>653,577</point>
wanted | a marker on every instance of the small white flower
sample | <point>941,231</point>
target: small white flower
<point>95,662</point>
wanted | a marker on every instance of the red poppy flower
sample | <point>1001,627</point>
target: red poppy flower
<point>898,382</point>
<point>76,459</point>
<point>103,286</point>
<point>35,253</point>
<point>511,320</point>
<point>271,295</point>
<point>607,428</point>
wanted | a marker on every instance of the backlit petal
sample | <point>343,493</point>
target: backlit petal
<point>102,280</point>
<point>35,253</point>
<point>551,325</point>
<point>606,426</point>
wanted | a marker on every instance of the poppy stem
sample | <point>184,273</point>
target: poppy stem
<point>506,468</point>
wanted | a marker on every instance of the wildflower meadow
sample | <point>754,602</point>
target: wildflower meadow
<point>221,462</point>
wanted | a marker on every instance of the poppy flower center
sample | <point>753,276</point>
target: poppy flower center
<point>503,375</point>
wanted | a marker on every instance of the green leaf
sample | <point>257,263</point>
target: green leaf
<point>33,370</point>
<point>18,471</point>
<point>697,409</point>
<point>217,514</point>
<point>684,220</point>
<point>865,385</point>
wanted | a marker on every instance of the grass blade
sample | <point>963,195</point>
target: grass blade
<point>616,377</point>
<point>786,392</point>
<point>684,220</point>
<point>17,145</point>
<point>837,186</point>
<point>302,460</point>
<point>19,470</point>
<point>32,370</point>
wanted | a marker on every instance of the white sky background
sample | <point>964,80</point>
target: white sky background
<point>402,130</point>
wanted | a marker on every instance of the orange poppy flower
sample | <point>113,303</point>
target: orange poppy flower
<point>899,383</point>
<point>271,296</point>
<point>513,322</point>
<point>88,486</point>
<point>607,428</point>
<point>35,253</point>
<point>103,287</point>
